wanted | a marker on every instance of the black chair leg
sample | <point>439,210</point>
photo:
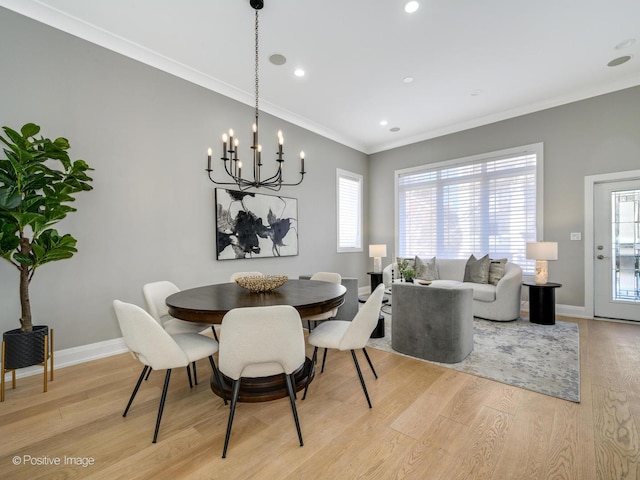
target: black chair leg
<point>148,373</point>
<point>324,359</point>
<point>216,372</point>
<point>293,407</point>
<point>364,387</point>
<point>161,408</point>
<point>189,375</point>
<point>215,335</point>
<point>370,364</point>
<point>195,373</point>
<point>234,399</point>
<point>312,369</point>
<point>145,370</point>
<point>293,382</point>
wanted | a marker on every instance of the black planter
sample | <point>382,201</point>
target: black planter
<point>24,349</point>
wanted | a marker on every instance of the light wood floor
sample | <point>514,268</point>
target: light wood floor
<point>427,422</point>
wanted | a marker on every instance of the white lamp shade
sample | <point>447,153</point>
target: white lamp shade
<point>542,250</point>
<point>377,251</point>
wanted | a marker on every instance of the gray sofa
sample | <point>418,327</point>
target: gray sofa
<point>500,302</point>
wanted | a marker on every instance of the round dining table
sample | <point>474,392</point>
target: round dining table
<point>210,303</point>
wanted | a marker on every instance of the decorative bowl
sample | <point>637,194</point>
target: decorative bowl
<point>262,283</point>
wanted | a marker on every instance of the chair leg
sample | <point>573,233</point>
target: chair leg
<point>370,364</point>
<point>135,390</point>
<point>189,375</point>
<point>215,335</point>
<point>293,382</point>
<point>364,387</point>
<point>195,373</point>
<point>324,359</point>
<point>313,363</point>
<point>148,373</point>
<point>216,372</point>
<point>167,377</point>
<point>293,407</point>
<point>234,399</point>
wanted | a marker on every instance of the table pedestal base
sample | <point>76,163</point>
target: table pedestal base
<point>263,389</point>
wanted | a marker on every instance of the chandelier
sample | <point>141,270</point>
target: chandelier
<point>233,165</point>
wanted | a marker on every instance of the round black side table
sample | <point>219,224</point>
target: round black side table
<point>542,302</point>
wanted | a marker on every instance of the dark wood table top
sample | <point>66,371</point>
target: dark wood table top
<point>209,304</point>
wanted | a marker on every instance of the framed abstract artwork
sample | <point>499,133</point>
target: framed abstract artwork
<point>254,225</point>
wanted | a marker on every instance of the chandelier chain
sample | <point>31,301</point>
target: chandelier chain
<point>257,52</point>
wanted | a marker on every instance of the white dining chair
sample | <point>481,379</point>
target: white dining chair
<point>345,335</point>
<point>261,342</point>
<point>155,348</point>
<point>330,277</point>
<point>155,295</point>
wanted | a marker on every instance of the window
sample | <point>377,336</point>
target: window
<point>483,204</point>
<point>349,200</point>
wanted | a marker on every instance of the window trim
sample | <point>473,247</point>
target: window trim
<point>533,148</point>
<point>340,173</point>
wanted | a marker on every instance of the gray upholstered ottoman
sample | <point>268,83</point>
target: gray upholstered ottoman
<point>432,323</point>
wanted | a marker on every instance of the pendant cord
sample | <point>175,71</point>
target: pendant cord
<point>257,87</point>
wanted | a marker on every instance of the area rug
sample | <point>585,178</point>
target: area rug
<point>541,358</point>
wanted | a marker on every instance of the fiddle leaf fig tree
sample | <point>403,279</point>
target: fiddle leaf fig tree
<point>38,180</point>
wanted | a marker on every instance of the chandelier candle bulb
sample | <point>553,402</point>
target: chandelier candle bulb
<point>302,162</point>
<point>231,138</point>
<point>235,148</point>
<point>224,145</point>
<point>209,152</point>
<point>259,155</point>
<point>255,134</point>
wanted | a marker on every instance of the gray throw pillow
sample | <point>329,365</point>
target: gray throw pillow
<point>426,268</point>
<point>496,270</point>
<point>477,270</point>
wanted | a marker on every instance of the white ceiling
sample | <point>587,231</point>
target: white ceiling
<point>522,55</point>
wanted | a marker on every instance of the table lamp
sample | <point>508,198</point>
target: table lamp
<point>541,252</point>
<point>377,252</point>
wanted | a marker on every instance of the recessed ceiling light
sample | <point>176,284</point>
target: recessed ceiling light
<point>619,61</point>
<point>383,122</point>
<point>627,43</point>
<point>278,59</point>
<point>394,129</point>
<point>411,7</point>
<point>407,79</point>
<point>299,72</point>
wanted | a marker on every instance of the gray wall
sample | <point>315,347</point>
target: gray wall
<point>151,213</point>
<point>594,136</point>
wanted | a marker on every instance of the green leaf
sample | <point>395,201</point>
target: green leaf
<point>9,198</point>
<point>30,130</point>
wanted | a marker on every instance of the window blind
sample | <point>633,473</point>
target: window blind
<point>349,187</point>
<point>486,206</point>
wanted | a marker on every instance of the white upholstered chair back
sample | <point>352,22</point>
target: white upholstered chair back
<point>146,339</point>
<point>326,277</point>
<point>364,322</point>
<point>261,341</point>
<point>155,295</point>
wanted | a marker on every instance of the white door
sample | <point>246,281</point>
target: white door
<point>616,253</point>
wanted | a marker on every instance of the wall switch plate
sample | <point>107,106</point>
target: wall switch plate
<point>576,236</point>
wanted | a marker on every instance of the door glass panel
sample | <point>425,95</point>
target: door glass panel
<point>625,244</point>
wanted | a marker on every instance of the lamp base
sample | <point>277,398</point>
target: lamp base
<point>377,264</point>
<point>542,273</point>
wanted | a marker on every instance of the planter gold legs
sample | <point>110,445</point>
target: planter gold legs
<point>48,357</point>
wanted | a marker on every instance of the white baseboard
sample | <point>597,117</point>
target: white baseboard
<point>75,355</point>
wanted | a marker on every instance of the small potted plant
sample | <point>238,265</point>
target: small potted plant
<point>409,274</point>
<point>37,182</point>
